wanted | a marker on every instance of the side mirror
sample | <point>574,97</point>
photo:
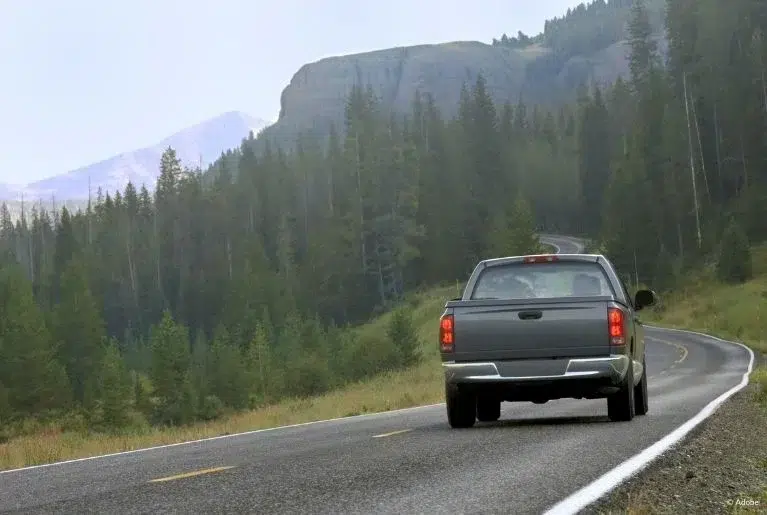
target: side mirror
<point>644,298</point>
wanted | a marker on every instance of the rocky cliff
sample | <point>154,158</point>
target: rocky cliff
<point>317,92</point>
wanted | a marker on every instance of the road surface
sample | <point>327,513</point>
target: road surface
<point>408,461</point>
<point>563,244</point>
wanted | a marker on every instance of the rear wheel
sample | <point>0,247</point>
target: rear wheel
<point>461,407</point>
<point>640,392</point>
<point>488,409</point>
<point>620,405</point>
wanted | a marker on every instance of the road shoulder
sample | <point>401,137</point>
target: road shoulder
<point>721,467</point>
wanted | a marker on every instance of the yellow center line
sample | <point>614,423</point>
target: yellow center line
<point>393,433</point>
<point>190,474</point>
<point>679,346</point>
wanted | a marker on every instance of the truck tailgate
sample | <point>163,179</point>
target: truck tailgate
<point>503,330</point>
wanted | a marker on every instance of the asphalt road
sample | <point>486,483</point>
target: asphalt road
<point>408,461</point>
<point>563,244</point>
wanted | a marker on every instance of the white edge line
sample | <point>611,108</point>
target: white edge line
<point>610,480</point>
<point>557,250</point>
<point>220,437</point>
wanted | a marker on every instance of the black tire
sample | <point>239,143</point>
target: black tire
<point>488,409</point>
<point>641,403</point>
<point>461,407</point>
<point>620,405</point>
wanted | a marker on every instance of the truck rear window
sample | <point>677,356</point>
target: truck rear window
<point>542,280</point>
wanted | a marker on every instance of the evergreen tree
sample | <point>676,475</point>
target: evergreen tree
<point>404,336</point>
<point>226,371</point>
<point>522,234</point>
<point>594,159</point>
<point>79,331</point>
<point>114,388</point>
<point>170,372</point>
<point>32,379</point>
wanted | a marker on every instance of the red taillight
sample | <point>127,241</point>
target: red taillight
<point>616,326</point>
<point>446,333</point>
<point>540,259</point>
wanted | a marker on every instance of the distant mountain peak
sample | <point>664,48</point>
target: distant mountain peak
<point>205,141</point>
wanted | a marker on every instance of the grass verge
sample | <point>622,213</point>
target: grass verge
<point>722,466</point>
<point>419,385</point>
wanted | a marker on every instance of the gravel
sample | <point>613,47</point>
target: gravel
<point>721,467</point>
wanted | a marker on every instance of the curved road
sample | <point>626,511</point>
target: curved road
<point>407,461</point>
<point>563,244</point>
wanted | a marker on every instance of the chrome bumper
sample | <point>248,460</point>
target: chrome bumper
<point>612,368</point>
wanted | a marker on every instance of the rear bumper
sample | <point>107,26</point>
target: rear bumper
<point>582,376</point>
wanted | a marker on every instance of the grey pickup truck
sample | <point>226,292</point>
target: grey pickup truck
<point>543,327</point>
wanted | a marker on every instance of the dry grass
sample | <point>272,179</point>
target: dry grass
<point>729,311</point>
<point>417,386</point>
<point>737,312</point>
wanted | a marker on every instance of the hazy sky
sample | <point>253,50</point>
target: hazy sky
<point>86,79</point>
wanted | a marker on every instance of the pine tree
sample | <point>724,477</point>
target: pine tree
<point>79,331</point>
<point>226,371</point>
<point>66,247</point>
<point>260,362</point>
<point>403,335</point>
<point>32,379</point>
<point>594,159</point>
<point>170,371</point>
<point>523,235</point>
<point>114,388</point>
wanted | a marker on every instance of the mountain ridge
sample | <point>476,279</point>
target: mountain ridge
<point>205,140</point>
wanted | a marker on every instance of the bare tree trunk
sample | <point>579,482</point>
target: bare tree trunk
<point>381,291</point>
<point>31,248</point>
<point>692,161</point>
<point>43,249</point>
<point>306,208</point>
<point>361,206</point>
<point>229,256</point>
<point>718,149</point>
<point>90,233</point>
<point>764,91</point>
<point>636,269</point>
<point>157,252</point>
<point>28,233</point>
<point>261,371</point>
<point>700,148</point>
<point>743,160</point>
<point>131,268</point>
<point>331,210</point>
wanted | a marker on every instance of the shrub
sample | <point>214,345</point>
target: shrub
<point>734,263</point>
<point>403,335</point>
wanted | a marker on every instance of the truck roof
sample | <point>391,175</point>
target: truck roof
<point>593,258</point>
